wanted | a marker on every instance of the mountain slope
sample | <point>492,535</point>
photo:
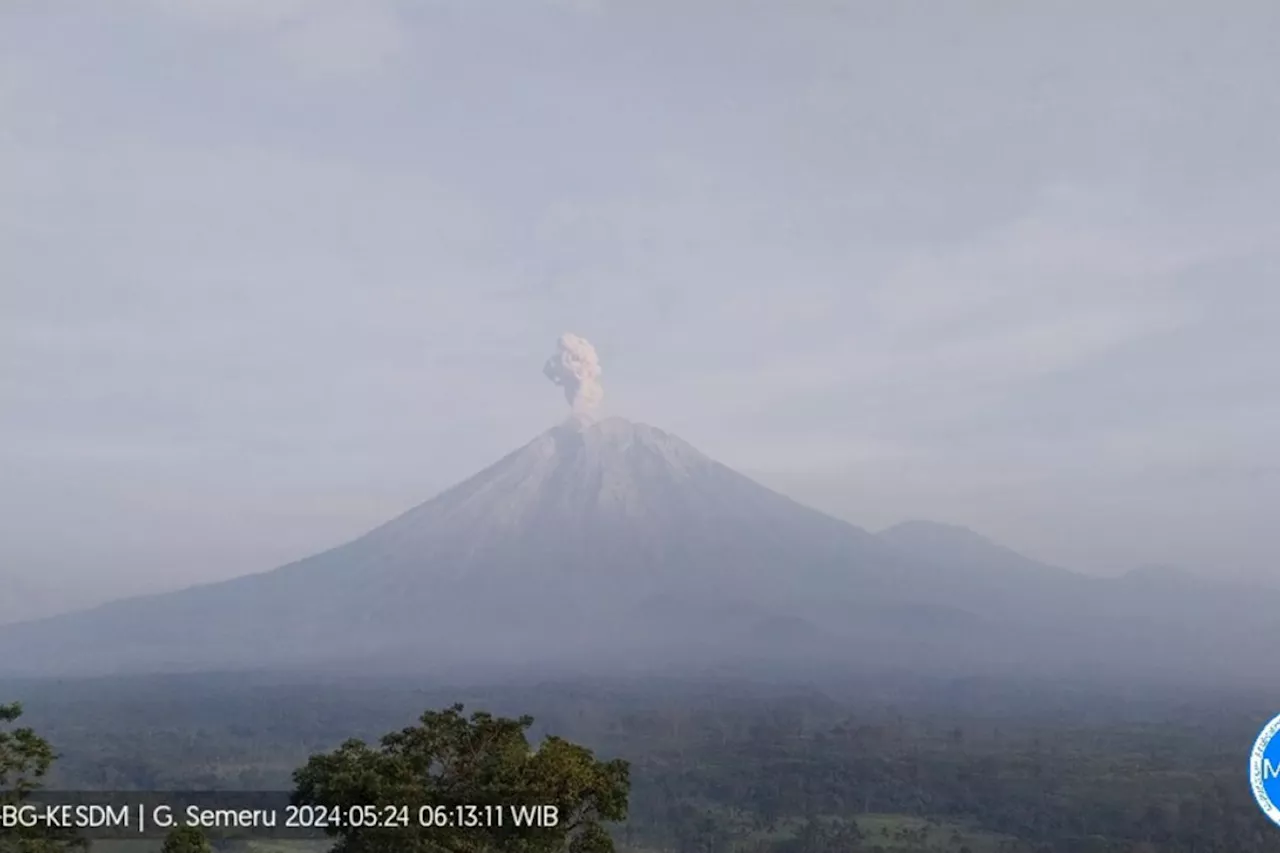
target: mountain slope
<point>25,598</point>
<point>959,548</point>
<point>615,544</point>
<point>559,548</point>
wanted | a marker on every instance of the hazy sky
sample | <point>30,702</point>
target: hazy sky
<point>275,270</point>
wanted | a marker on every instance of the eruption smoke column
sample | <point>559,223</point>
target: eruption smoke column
<point>576,368</point>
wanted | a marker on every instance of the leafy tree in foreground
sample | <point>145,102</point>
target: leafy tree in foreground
<point>25,758</point>
<point>469,778</point>
<point>186,839</point>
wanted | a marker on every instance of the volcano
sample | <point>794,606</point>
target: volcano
<point>593,538</point>
<point>615,543</point>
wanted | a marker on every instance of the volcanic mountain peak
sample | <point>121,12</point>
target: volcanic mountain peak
<point>612,447</point>
<point>610,468</point>
<point>581,482</point>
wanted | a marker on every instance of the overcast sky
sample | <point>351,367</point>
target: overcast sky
<point>275,270</point>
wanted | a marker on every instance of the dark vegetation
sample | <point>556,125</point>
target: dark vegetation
<point>719,765</point>
<point>449,762</point>
<point>25,759</point>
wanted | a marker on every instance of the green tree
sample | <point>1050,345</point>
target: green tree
<point>186,839</point>
<point>25,759</point>
<point>469,777</point>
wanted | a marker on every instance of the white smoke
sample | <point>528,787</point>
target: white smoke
<point>576,368</point>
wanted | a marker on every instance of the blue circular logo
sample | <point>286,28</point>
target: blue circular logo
<point>1264,771</point>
